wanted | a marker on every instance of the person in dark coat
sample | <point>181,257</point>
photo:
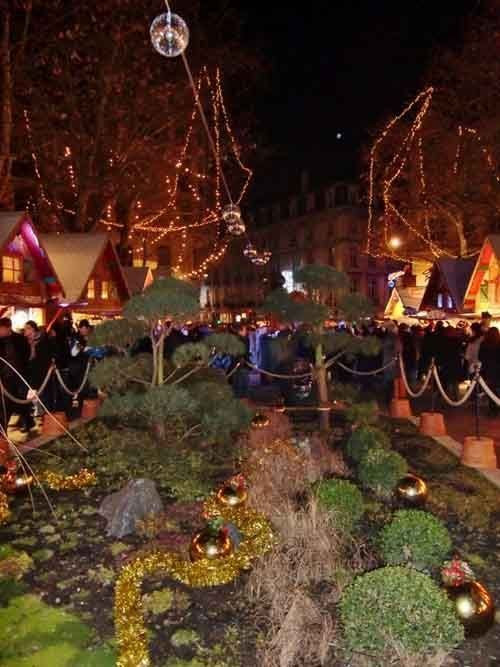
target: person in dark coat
<point>489,356</point>
<point>15,350</point>
<point>40,359</point>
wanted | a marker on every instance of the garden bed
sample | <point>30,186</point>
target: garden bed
<point>74,565</point>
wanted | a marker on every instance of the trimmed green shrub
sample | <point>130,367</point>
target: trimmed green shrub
<point>363,414</point>
<point>364,439</point>
<point>342,498</point>
<point>398,606</point>
<point>380,470</point>
<point>415,538</point>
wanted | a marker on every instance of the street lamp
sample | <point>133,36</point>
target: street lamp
<point>395,242</point>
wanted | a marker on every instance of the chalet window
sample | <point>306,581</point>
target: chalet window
<point>12,269</point>
<point>353,257</point>
<point>113,291</point>
<point>449,302</point>
<point>91,289</point>
<point>439,301</point>
<point>104,289</point>
<point>340,195</point>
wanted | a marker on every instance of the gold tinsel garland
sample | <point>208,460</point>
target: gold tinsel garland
<point>4,508</point>
<point>129,622</point>
<point>58,482</point>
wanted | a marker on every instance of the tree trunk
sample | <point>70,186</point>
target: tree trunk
<point>82,209</point>
<point>462,241</point>
<point>6,191</point>
<point>321,380</point>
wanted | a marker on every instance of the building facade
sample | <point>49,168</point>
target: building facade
<point>326,225</point>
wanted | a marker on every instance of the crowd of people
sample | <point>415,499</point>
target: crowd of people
<point>26,359</point>
<point>456,351</point>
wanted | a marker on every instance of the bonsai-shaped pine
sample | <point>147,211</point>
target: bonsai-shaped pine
<point>319,281</point>
<point>166,396</point>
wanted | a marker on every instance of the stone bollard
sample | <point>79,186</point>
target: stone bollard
<point>90,408</point>
<point>479,453</point>
<point>432,424</point>
<point>51,427</point>
<point>399,388</point>
<point>400,408</point>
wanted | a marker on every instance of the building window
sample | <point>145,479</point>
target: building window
<point>330,198</point>
<point>12,269</point>
<point>372,288</point>
<point>105,289</point>
<point>440,301</point>
<point>354,287</point>
<point>372,262</point>
<point>449,302</point>
<point>353,257</point>
<point>353,196</point>
<point>340,195</point>
<point>91,289</point>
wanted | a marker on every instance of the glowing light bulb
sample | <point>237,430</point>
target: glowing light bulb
<point>395,242</point>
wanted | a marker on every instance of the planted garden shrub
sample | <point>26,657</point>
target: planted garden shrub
<point>398,607</point>
<point>364,439</point>
<point>342,498</point>
<point>415,538</point>
<point>380,470</point>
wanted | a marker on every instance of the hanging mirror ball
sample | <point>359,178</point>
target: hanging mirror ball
<point>236,228</point>
<point>231,214</point>
<point>169,35</point>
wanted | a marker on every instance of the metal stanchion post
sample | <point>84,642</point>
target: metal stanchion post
<point>476,408</point>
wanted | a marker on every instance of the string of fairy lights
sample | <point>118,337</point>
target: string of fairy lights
<point>170,37</point>
<point>412,140</point>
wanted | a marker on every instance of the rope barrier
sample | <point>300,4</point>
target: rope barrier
<point>280,376</point>
<point>37,392</point>
<point>65,388</point>
<point>366,373</point>
<point>423,388</point>
<point>33,392</point>
<point>465,397</point>
<point>231,373</point>
<point>491,395</point>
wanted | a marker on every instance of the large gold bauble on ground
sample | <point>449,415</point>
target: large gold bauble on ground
<point>232,497</point>
<point>211,546</point>
<point>260,420</point>
<point>412,490</point>
<point>474,607</point>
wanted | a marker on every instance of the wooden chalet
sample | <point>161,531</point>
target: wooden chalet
<point>483,290</point>
<point>447,286</point>
<point>404,301</point>
<point>28,279</point>
<point>138,278</point>
<point>90,275</point>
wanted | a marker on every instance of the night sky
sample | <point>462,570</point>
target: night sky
<point>341,66</point>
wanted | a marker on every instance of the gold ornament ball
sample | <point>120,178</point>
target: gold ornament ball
<point>212,547</point>
<point>474,607</point>
<point>412,490</point>
<point>260,420</point>
<point>228,495</point>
